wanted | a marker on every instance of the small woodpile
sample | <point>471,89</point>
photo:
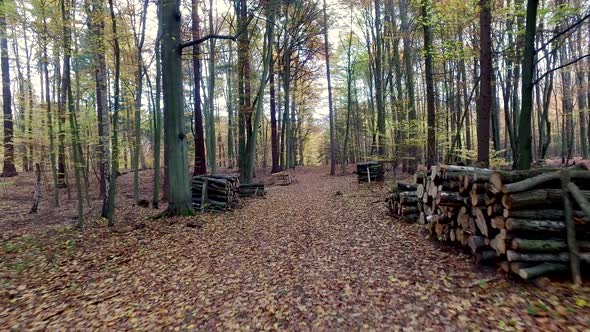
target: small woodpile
<point>515,218</point>
<point>370,171</point>
<point>252,190</point>
<point>283,178</point>
<point>402,202</point>
<point>215,192</point>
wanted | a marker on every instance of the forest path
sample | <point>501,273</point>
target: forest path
<point>319,254</point>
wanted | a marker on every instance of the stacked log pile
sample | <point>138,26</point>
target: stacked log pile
<point>371,171</point>
<point>515,218</point>
<point>252,190</point>
<point>283,178</point>
<point>529,220</point>
<point>402,202</point>
<point>215,192</point>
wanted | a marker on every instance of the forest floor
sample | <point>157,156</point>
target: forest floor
<point>320,254</point>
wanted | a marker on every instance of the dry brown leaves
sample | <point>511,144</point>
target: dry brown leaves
<point>320,254</point>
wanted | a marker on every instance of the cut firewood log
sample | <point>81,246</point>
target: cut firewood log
<point>546,180</point>
<point>448,199</point>
<point>482,220</point>
<point>420,190</point>
<point>402,187</point>
<point>546,246</point>
<point>484,256</point>
<point>495,210</point>
<point>543,226</point>
<point>498,243</point>
<point>512,255</point>
<point>548,214</point>
<point>475,243</point>
<point>535,198</point>
<point>498,222</point>
<point>477,199</point>
<point>529,273</point>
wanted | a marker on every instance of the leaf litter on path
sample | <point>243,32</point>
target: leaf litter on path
<point>316,255</point>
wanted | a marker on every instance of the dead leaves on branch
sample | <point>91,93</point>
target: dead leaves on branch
<point>319,254</point>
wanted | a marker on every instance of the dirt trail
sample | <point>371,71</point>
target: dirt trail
<point>320,254</point>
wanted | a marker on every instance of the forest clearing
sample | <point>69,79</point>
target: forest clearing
<point>318,254</point>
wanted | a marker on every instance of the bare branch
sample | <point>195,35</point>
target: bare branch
<point>559,67</point>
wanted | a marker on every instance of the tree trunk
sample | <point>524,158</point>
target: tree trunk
<point>179,199</point>
<point>67,95</point>
<point>523,160</point>
<point>8,168</point>
<point>486,80</point>
<point>138,94</point>
<point>52,155</point>
<point>211,160</point>
<point>157,117</point>
<point>381,137</point>
<point>200,167</point>
<point>108,209</point>
<point>411,107</point>
<point>431,112</point>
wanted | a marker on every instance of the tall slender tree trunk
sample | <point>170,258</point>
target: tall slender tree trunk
<point>274,135</point>
<point>138,95</point>
<point>581,98</point>
<point>67,95</point>
<point>157,116</point>
<point>108,210</point>
<point>211,96</point>
<point>524,128</point>
<point>330,101</point>
<point>486,100</point>
<point>379,82</point>
<point>8,168</point>
<point>411,106</point>
<point>430,100</point>
<point>231,156</point>
<point>96,11</point>
<point>567,104</point>
<point>267,62</point>
<point>200,166</point>
<point>51,134</point>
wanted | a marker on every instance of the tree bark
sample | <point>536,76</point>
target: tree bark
<point>523,160</point>
<point>179,199</point>
<point>486,101</point>
<point>330,101</point>
<point>200,167</point>
<point>8,168</point>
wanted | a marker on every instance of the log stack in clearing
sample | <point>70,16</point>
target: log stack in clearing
<point>252,190</point>
<point>514,218</point>
<point>371,171</point>
<point>215,192</point>
<point>283,178</point>
<point>402,202</point>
